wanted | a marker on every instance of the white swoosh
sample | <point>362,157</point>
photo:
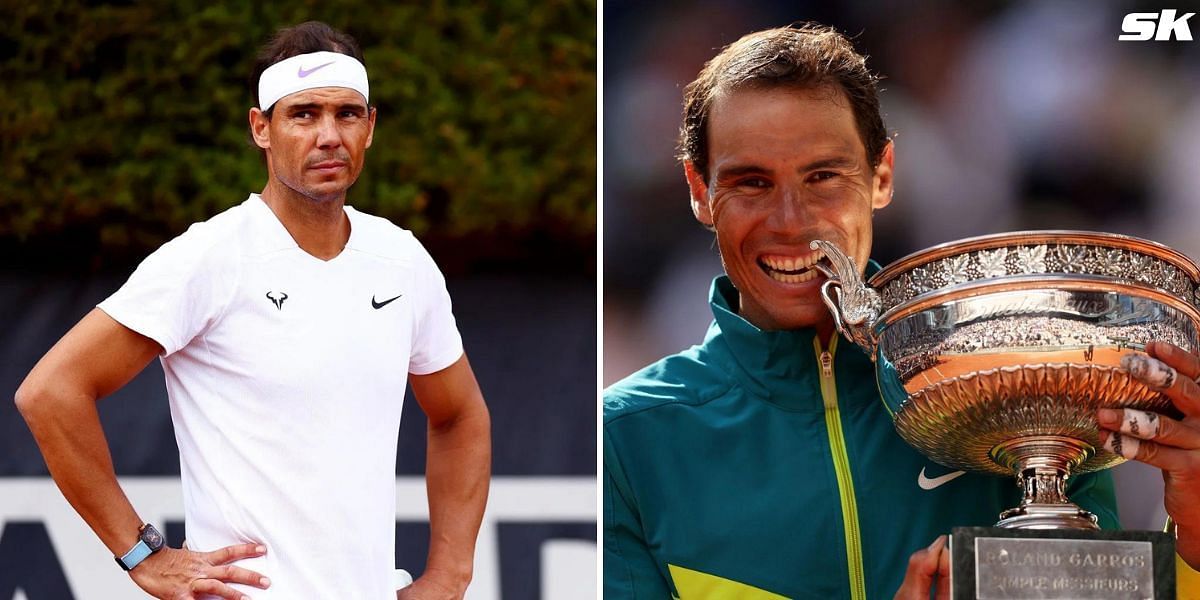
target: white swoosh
<point>928,484</point>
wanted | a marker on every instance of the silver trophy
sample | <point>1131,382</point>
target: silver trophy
<point>993,353</point>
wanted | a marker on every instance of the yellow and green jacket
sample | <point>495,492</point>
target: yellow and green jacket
<point>760,465</point>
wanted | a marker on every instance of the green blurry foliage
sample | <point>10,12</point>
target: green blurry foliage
<point>126,122</point>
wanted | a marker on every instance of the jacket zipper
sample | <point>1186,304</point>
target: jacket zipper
<point>841,467</point>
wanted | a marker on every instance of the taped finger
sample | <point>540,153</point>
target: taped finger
<point>1151,371</point>
<point>1170,459</point>
<point>1140,424</point>
<point>1187,362</point>
<point>1183,392</point>
<point>1121,444</point>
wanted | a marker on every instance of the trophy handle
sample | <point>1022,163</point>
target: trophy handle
<point>854,306</point>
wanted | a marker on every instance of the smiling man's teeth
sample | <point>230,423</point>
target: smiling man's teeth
<point>791,269</point>
<point>801,278</point>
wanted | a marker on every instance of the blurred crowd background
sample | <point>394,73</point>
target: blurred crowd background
<point>121,123</point>
<point>1005,115</point>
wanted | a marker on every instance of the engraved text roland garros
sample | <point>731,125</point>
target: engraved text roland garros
<point>928,484</point>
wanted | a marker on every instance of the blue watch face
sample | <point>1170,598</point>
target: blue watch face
<point>152,537</point>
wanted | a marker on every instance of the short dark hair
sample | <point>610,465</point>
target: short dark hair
<point>310,36</point>
<point>803,56</point>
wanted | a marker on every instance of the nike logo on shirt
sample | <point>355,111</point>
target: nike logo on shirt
<point>379,305</point>
<point>928,484</point>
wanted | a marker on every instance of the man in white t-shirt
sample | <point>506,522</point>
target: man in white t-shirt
<point>288,327</point>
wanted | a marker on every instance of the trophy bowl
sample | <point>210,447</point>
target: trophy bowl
<point>993,353</point>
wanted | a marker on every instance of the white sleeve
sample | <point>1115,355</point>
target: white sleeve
<point>175,294</point>
<point>436,342</point>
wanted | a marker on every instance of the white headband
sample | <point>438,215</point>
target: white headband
<point>308,71</point>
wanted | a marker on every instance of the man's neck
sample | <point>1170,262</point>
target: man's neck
<point>826,331</point>
<point>320,228</point>
<point>826,328</point>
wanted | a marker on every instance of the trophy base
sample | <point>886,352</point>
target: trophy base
<point>1004,564</point>
<point>1048,516</point>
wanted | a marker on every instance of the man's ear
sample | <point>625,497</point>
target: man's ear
<point>260,128</point>
<point>701,207</point>
<point>371,112</point>
<point>883,181</point>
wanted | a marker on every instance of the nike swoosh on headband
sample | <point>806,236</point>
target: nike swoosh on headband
<point>928,484</point>
<point>302,72</point>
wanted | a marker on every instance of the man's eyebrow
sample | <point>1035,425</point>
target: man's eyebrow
<point>295,108</point>
<point>318,106</point>
<point>738,170</point>
<point>833,162</point>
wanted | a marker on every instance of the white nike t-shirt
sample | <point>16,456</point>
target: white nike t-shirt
<point>286,378</point>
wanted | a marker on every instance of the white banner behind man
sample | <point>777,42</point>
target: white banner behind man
<point>568,567</point>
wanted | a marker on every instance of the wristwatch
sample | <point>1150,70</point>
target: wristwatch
<point>149,542</point>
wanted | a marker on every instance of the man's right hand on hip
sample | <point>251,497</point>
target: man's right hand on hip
<point>177,574</point>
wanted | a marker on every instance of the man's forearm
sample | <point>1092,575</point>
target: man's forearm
<point>457,471</point>
<point>58,401</point>
<point>69,434</point>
